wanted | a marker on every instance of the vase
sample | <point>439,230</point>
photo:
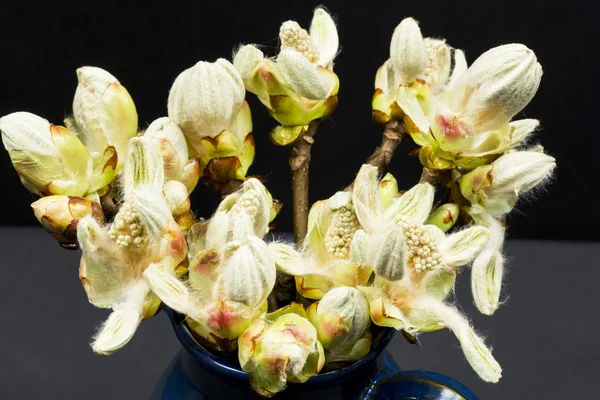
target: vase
<point>196,373</point>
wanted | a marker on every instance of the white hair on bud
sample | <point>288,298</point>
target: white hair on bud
<point>365,198</point>
<point>122,323</point>
<point>324,35</point>
<point>473,346</point>
<point>487,271</point>
<point>302,75</point>
<point>407,50</point>
<point>173,292</point>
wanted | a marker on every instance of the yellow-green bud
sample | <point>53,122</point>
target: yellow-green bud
<point>50,159</point>
<point>444,217</point>
<point>61,214</point>
<point>388,190</point>
<point>103,112</point>
<point>204,98</point>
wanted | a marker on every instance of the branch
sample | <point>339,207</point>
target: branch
<point>299,161</point>
<point>392,136</point>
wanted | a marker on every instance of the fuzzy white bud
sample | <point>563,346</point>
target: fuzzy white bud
<point>407,50</point>
<point>245,61</point>
<point>498,85</point>
<point>302,75</point>
<point>103,112</point>
<point>324,35</point>
<point>249,274</point>
<point>49,159</point>
<point>205,98</point>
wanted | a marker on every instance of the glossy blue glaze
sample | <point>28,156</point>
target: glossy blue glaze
<point>197,374</point>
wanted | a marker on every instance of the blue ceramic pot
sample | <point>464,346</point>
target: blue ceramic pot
<point>196,374</point>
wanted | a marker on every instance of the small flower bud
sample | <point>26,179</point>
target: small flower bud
<point>50,159</point>
<point>205,98</point>
<point>279,348</point>
<point>444,217</point>
<point>60,215</point>
<point>341,318</point>
<point>498,85</point>
<point>386,253</point>
<point>144,166</point>
<point>388,190</point>
<point>407,50</point>
<point>103,112</point>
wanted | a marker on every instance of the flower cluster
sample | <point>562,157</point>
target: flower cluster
<point>369,255</point>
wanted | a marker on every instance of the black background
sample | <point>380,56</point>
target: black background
<point>146,44</point>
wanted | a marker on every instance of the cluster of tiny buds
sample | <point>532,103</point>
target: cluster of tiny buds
<point>248,204</point>
<point>341,231</point>
<point>126,229</point>
<point>432,71</point>
<point>421,248</point>
<point>293,36</point>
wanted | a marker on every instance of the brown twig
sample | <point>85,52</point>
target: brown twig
<point>435,176</point>
<point>392,136</point>
<point>299,162</point>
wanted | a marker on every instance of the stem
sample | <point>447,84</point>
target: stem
<point>434,176</point>
<point>392,136</point>
<point>299,161</point>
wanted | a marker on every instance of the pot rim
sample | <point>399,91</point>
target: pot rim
<point>212,362</point>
